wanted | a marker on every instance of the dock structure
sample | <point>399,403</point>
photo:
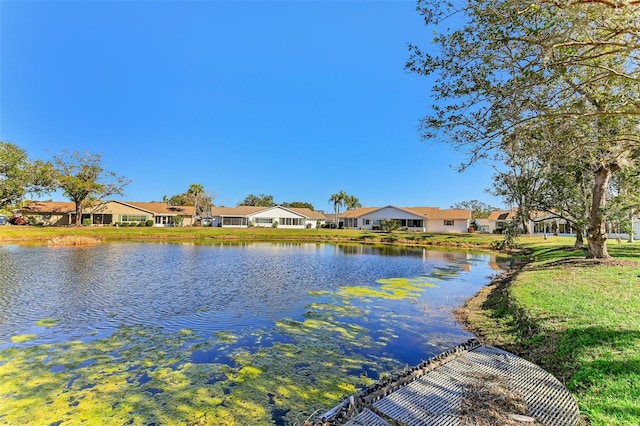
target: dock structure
<point>471,384</point>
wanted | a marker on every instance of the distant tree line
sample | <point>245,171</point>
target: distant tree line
<point>263,200</point>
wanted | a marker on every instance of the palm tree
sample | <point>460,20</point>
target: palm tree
<point>339,199</point>
<point>352,202</point>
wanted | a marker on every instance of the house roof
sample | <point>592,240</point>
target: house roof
<point>49,207</point>
<point>502,215</point>
<point>310,214</point>
<point>448,214</point>
<point>426,212</point>
<point>243,211</point>
<point>240,211</point>
<point>63,207</point>
<point>361,211</point>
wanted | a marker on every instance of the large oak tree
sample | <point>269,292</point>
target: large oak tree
<point>504,69</point>
<point>85,181</point>
<point>20,176</point>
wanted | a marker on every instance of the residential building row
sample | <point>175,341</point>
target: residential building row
<point>420,219</point>
<point>423,219</point>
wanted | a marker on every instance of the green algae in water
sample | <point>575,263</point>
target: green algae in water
<point>139,375</point>
<point>22,338</point>
<point>390,289</point>
<point>226,337</point>
<point>47,322</point>
<point>143,375</point>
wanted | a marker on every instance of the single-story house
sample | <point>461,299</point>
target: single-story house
<point>423,219</point>
<point>282,217</point>
<point>61,213</point>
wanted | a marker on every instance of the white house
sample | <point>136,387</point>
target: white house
<point>282,217</point>
<point>423,219</point>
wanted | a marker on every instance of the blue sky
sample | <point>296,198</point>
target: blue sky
<point>295,99</point>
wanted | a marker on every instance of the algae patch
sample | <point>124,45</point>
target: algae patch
<point>47,322</point>
<point>22,338</point>
<point>389,288</point>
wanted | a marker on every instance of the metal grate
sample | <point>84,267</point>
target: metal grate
<point>430,394</point>
<point>367,418</point>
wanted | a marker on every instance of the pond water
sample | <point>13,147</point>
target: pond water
<point>242,334</point>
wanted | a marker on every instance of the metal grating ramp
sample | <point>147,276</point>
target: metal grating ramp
<point>431,394</point>
<point>367,418</point>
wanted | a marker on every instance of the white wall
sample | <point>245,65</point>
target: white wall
<point>437,225</point>
<point>275,214</point>
<point>387,213</point>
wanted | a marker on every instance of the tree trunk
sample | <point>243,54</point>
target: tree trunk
<point>597,236</point>
<point>579,240</point>
<point>631,230</point>
<point>78,213</point>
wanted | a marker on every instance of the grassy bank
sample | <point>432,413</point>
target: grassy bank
<point>28,234</point>
<point>578,319</point>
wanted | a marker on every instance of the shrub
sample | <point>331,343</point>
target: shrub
<point>149,222</point>
<point>86,222</point>
<point>389,225</point>
<point>274,224</point>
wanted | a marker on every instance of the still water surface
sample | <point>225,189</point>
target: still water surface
<point>255,333</point>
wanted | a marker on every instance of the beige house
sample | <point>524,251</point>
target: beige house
<point>423,219</point>
<point>60,213</point>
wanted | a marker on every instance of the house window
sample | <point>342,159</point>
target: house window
<point>291,221</point>
<point>448,222</point>
<point>263,220</point>
<point>414,223</point>
<point>351,223</point>
<point>163,220</point>
<point>133,218</point>
<point>234,221</point>
<point>367,222</point>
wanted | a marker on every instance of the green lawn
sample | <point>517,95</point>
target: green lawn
<point>22,234</point>
<point>578,319</point>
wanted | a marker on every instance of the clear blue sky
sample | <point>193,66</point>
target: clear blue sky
<point>295,99</point>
